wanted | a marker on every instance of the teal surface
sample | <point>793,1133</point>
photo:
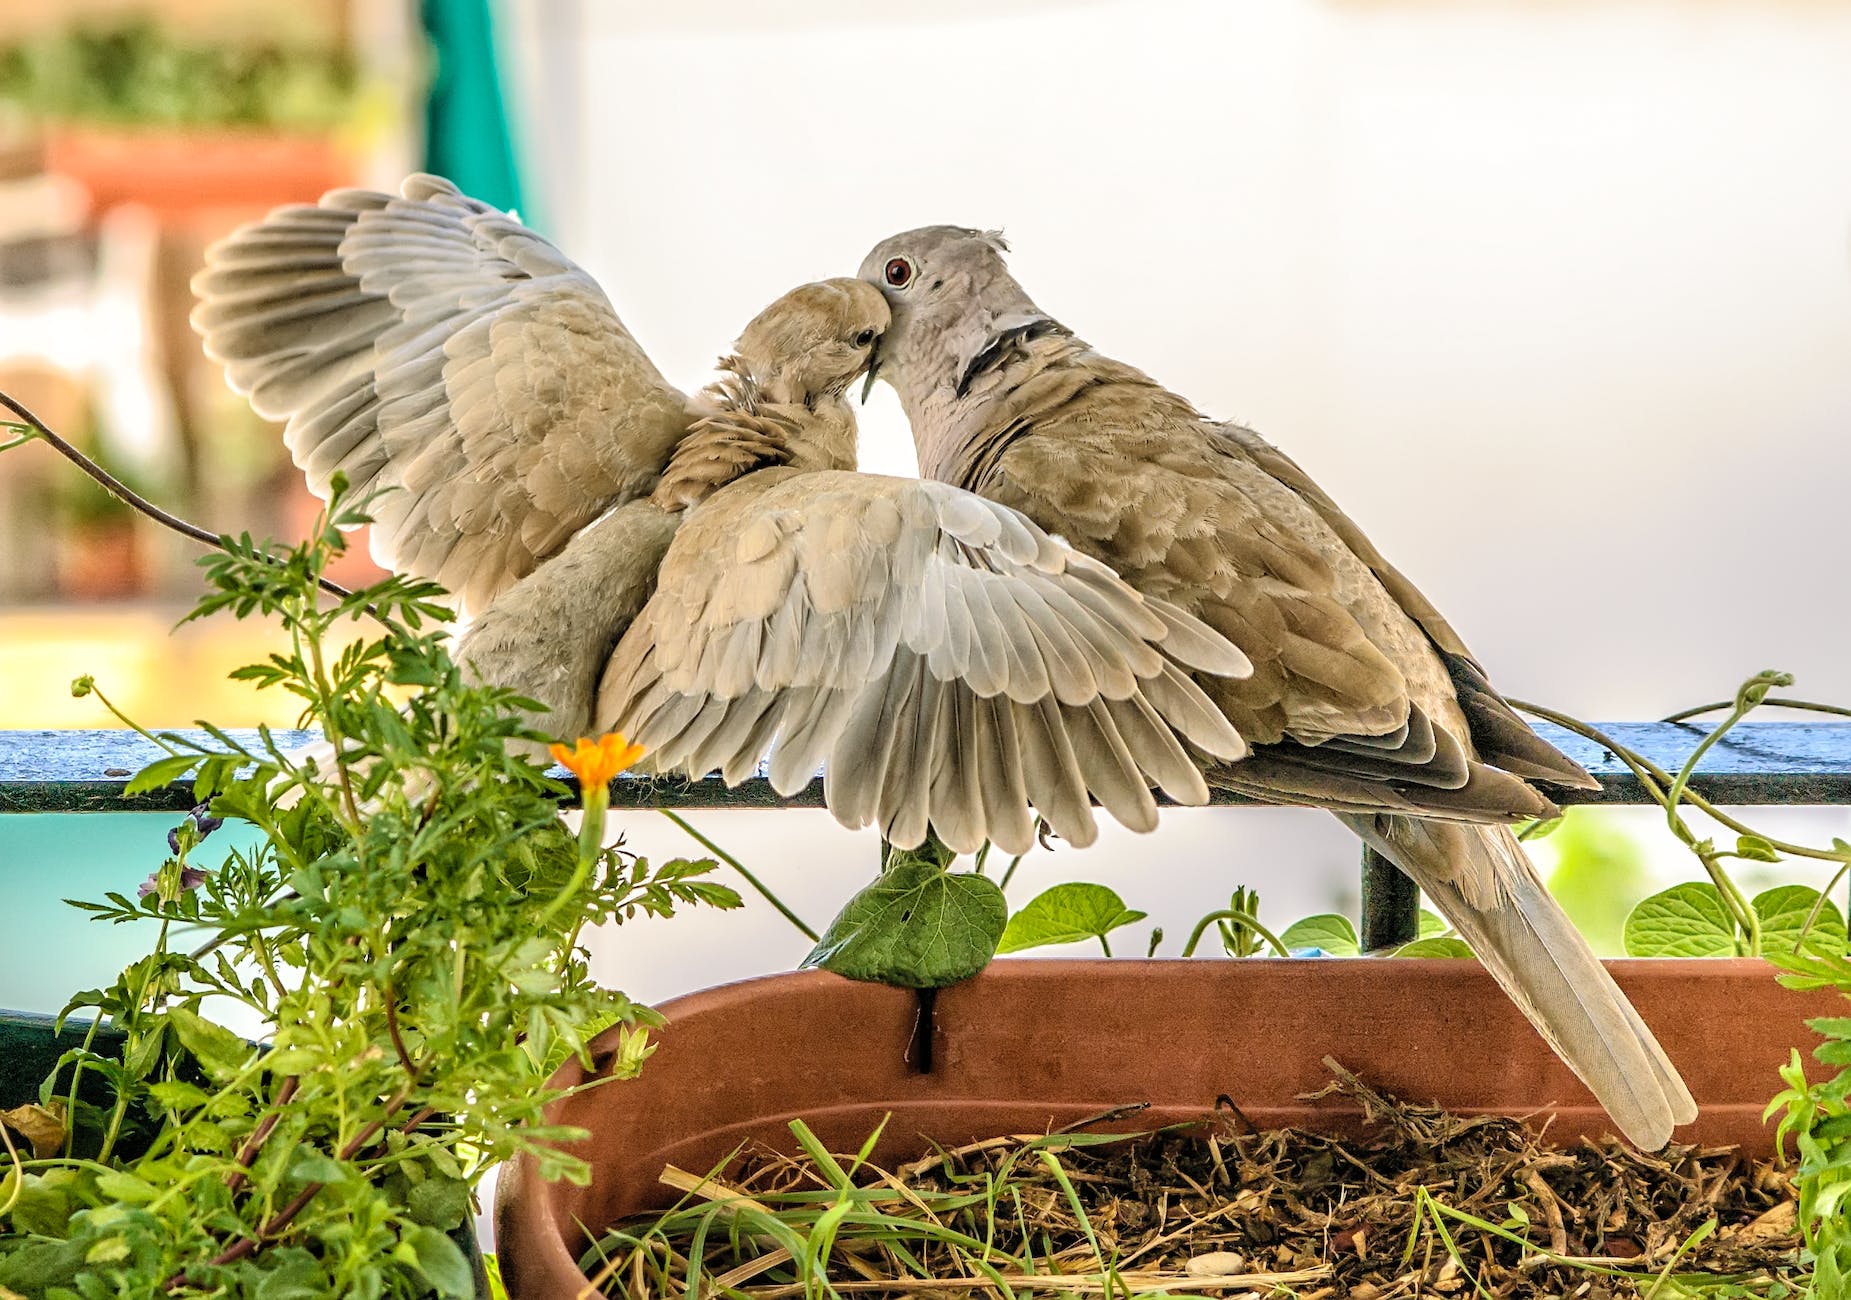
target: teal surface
<point>466,136</point>
<point>48,949</point>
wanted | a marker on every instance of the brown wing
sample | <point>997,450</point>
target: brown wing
<point>432,345</point>
<point>1500,736</point>
<point>1350,704</point>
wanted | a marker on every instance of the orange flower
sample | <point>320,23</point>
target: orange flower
<point>595,762</point>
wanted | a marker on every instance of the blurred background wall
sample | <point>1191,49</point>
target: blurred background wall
<point>1555,298</point>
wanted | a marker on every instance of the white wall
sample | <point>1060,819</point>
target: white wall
<point>1554,298</point>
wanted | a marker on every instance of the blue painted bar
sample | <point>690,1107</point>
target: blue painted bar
<point>1756,763</point>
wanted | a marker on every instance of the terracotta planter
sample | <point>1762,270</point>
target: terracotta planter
<point>1032,1045</point>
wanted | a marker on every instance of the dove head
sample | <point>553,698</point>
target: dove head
<point>815,341</point>
<point>951,296</point>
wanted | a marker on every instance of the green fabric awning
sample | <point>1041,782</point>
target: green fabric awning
<point>466,117</point>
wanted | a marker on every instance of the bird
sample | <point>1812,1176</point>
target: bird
<point>948,664</point>
<point>1362,699</point>
<point>707,573</point>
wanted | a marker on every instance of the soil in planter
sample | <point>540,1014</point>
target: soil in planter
<point>1420,1203</point>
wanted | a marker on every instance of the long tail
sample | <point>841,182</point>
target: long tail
<point>1482,881</point>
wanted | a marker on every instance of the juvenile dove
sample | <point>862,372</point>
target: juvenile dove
<point>1362,698</point>
<point>946,657</point>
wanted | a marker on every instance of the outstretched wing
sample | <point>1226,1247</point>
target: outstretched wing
<point>949,663</point>
<point>433,345</point>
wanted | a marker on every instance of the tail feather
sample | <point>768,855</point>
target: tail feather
<point>1481,880</point>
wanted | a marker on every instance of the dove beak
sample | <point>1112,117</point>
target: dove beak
<point>874,369</point>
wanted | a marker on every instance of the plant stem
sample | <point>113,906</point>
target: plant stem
<point>287,1215</point>
<point>1657,783</point>
<point>752,880</point>
<point>1771,702</point>
<point>77,1074</point>
<point>130,723</point>
<point>1009,871</point>
<point>1247,919</point>
<point>18,1170</point>
<point>247,1154</point>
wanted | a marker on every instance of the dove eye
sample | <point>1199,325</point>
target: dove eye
<point>864,338</point>
<point>899,273</point>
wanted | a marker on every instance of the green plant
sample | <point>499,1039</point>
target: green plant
<point>1817,1117</point>
<point>1672,793</point>
<point>406,935</point>
<point>138,73</point>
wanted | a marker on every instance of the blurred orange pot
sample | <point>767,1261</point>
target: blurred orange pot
<point>177,171</point>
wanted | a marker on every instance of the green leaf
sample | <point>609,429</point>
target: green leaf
<point>442,1262</point>
<point>918,926</point>
<point>1327,931</point>
<point>43,1208</point>
<point>1437,945</point>
<point>1687,920</point>
<point>162,771</point>
<point>497,1289</point>
<point>1432,926</point>
<point>120,1185</point>
<point>312,1166</point>
<point>220,1053</point>
<point>1783,911</point>
<point>294,1275</point>
<point>438,1202</point>
<point>1070,913</point>
<point>38,1266</point>
<point>176,1095</point>
<point>110,1250</point>
<point>1756,848</point>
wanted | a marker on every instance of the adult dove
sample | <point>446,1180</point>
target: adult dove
<point>1362,698</point>
<point>520,448</point>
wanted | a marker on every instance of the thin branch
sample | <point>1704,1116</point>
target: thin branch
<point>284,1217</point>
<point>127,495</point>
<point>398,1042</point>
<point>247,1154</point>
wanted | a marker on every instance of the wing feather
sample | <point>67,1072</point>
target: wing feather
<point>955,668</point>
<point>449,362</point>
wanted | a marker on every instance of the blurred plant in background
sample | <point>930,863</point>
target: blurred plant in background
<point>140,73</point>
<point>1600,872</point>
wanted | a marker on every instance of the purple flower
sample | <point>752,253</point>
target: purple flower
<point>205,823</point>
<point>190,878</point>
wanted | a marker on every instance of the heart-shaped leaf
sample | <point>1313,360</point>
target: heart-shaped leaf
<point>1437,945</point>
<point>918,926</point>
<point>1329,933</point>
<point>1687,920</point>
<point>1070,913</point>
<point>1783,912</point>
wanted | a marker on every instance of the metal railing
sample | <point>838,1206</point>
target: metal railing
<point>1756,763</point>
